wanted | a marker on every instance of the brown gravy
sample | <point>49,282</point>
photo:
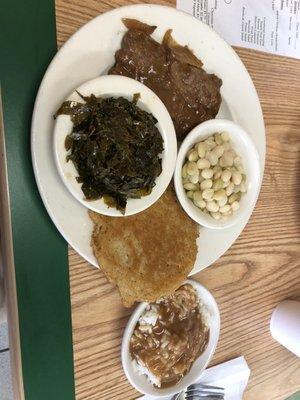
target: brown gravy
<point>169,347</point>
<point>173,72</point>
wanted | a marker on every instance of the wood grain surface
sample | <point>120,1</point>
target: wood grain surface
<point>261,268</point>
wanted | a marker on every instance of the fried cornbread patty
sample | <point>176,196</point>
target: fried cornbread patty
<point>147,255</point>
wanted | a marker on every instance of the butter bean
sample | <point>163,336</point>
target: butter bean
<point>184,172</point>
<point>190,186</point>
<point>234,197</point>
<point>216,215</point>
<point>217,175</point>
<point>218,139</point>
<point>193,156</point>
<point>210,143</point>
<point>236,177</point>
<point>197,196</point>
<point>212,206</point>
<point>235,206</point>
<point>198,200</point>
<point>218,184</point>
<point>192,168</point>
<point>194,178</point>
<point>190,194</point>
<point>226,175</point>
<point>207,173</point>
<point>227,158</point>
<point>213,158</point>
<point>207,194</point>
<point>218,151</point>
<point>225,136</point>
<point>220,194</point>
<point>206,184</point>
<point>201,204</point>
<point>203,163</point>
<point>225,209</point>
<point>222,201</point>
<point>201,148</point>
<point>229,189</point>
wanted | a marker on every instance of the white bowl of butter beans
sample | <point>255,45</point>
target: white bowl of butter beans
<point>217,175</point>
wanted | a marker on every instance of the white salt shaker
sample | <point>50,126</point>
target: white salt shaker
<point>285,325</point>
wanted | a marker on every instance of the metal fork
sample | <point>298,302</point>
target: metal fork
<point>199,391</point>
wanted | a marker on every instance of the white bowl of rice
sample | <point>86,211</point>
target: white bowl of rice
<point>139,375</point>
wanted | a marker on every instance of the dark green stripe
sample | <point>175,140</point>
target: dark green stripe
<point>295,396</point>
<point>28,42</point>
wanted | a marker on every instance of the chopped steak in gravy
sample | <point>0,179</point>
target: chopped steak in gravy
<point>169,336</point>
<point>173,72</point>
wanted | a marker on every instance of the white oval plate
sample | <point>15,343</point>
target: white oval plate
<point>88,54</point>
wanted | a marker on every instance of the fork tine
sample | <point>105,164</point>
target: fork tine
<point>204,397</point>
<point>202,386</point>
<point>204,391</point>
<point>194,398</point>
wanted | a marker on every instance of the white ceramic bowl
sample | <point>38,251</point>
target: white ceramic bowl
<point>116,86</point>
<point>140,382</point>
<point>244,146</point>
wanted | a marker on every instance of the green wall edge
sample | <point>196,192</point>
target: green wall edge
<point>28,42</point>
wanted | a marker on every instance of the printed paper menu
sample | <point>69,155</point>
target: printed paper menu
<point>267,25</point>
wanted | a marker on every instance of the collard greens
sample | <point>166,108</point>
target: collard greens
<point>115,147</point>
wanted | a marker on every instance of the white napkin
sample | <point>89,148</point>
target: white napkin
<point>232,375</point>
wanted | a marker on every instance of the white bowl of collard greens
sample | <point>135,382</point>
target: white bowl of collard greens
<point>101,150</point>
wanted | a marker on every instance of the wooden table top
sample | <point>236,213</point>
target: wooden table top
<point>259,270</point>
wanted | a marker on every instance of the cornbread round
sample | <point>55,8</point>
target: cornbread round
<point>147,255</point>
